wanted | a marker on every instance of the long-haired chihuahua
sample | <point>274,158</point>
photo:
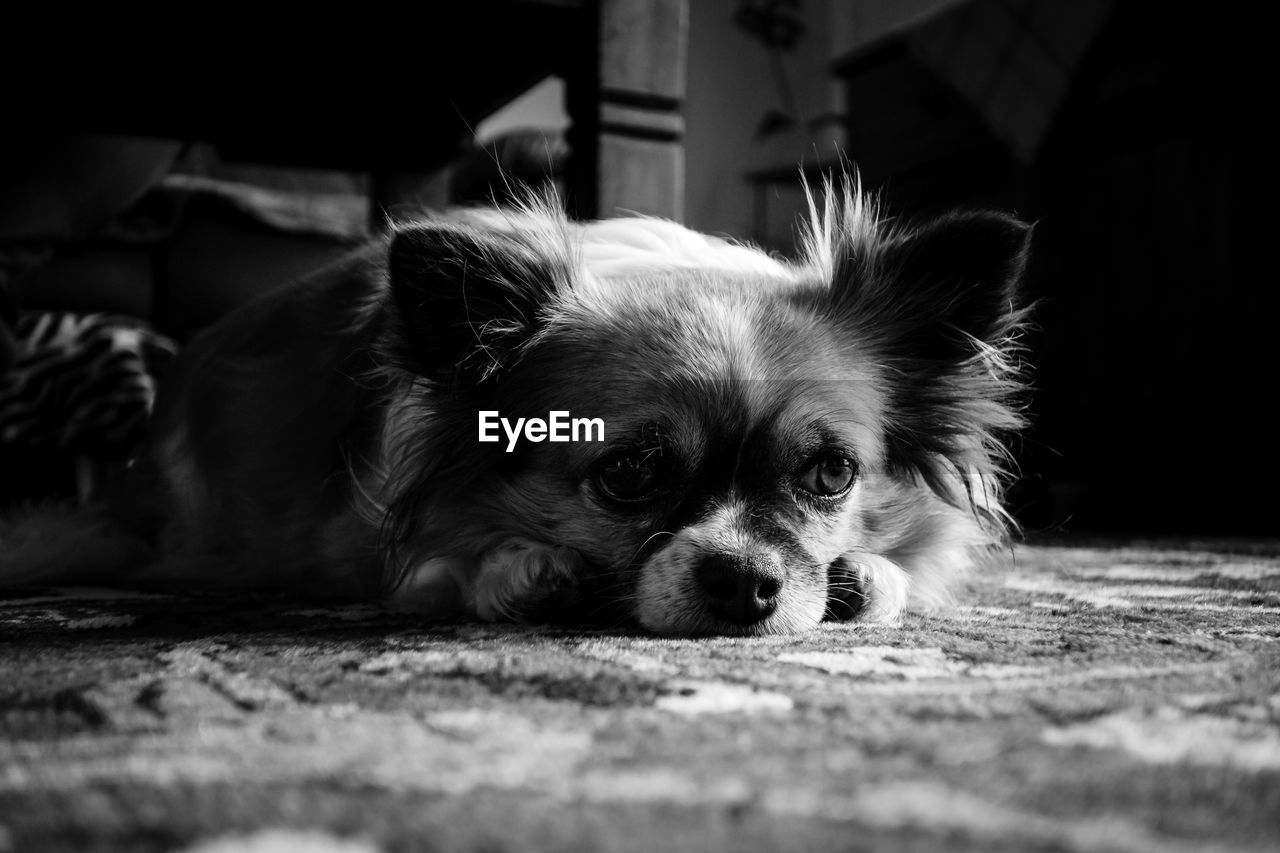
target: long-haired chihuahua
<point>506,414</point>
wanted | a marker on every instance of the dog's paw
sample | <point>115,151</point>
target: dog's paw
<point>526,581</point>
<point>866,588</point>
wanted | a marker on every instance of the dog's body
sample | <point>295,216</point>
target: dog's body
<point>781,441</point>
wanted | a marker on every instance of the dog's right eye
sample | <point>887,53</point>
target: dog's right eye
<point>829,476</point>
<point>629,478</point>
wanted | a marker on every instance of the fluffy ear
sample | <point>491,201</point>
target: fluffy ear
<point>468,299</point>
<point>938,308</point>
<point>928,292</point>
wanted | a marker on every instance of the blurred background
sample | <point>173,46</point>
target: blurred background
<point>153,177</point>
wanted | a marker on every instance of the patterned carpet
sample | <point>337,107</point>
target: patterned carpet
<point>1090,699</point>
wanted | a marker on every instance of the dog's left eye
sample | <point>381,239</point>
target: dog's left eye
<point>829,475</point>
<point>628,478</point>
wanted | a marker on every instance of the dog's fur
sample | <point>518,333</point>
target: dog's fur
<point>324,438</point>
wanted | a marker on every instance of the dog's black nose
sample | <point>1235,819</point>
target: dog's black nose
<point>739,590</point>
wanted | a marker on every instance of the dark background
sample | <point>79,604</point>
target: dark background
<point>1153,346</point>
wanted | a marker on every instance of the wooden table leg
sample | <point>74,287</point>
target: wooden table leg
<point>629,130</point>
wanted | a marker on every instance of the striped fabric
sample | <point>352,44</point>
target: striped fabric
<point>81,384</point>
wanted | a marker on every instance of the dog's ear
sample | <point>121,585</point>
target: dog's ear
<point>468,299</point>
<point>928,293</point>
<point>961,273</point>
<point>938,307</point>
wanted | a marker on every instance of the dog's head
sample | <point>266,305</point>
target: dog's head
<point>773,433</point>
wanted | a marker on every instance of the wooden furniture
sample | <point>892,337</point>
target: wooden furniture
<point>640,161</point>
<point>385,93</point>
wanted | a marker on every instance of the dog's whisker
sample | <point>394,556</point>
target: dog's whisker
<point>647,540</point>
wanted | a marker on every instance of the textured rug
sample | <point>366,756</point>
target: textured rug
<point>1089,699</point>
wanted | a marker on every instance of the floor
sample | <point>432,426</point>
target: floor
<point>1102,698</point>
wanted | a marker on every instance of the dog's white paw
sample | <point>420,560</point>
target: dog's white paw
<point>522,579</point>
<point>873,589</point>
<point>886,586</point>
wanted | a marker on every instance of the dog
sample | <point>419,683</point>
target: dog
<point>772,442</point>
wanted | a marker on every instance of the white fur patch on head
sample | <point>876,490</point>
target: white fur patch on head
<point>620,248</point>
<point>625,246</point>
